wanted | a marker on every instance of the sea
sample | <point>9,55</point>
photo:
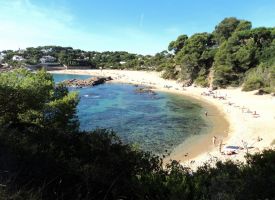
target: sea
<point>153,122</point>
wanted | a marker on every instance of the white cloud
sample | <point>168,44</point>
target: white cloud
<point>141,18</point>
<point>25,24</point>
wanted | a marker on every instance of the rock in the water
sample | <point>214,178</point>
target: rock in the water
<point>147,90</point>
<point>87,82</point>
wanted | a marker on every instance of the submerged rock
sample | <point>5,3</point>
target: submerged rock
<point>87,82</point>
<point>147,90</point>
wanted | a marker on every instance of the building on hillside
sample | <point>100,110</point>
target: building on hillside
<point>21,51</point>
<point>2,55</point>
<point>80,62</point>
<point>47,59</point>
<point>122,62</point>
<point>18,58</point>
<point>46,50</point>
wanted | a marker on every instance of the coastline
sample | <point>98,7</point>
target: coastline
<point>194,146</point>
<point>233,124</point>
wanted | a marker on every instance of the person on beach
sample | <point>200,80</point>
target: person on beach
<point>220,146</point>
<point>245,145</point>
<point>205,113</point>
<point>214,140</point>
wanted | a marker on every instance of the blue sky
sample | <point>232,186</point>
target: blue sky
<point>137,26</point>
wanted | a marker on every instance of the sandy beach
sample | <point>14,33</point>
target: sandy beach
<point>241,120</point>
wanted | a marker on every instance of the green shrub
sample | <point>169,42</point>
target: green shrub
<point>224,76</point>
<point>253,83</point>
<point>272,77</point>
<point>202,81</point>
<point>169,73</point>
<point>269,90</point>
<point>261,77</point>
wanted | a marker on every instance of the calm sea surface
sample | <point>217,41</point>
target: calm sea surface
<point>154,122</point>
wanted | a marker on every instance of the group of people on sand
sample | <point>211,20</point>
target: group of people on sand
<point>231,150</point>
<point>213,94</point>
<point>216,95</point>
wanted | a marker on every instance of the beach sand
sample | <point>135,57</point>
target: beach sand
<point>235,122</point>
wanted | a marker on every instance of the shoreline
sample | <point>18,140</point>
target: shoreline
<point>233,124</point>
<point>194,146</point>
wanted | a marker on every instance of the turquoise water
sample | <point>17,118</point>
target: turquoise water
<point>154,122</point>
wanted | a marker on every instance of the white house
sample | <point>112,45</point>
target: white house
<point>2,55</point>
<point>21,51</point>
<point>46,50</point>
<point>47,59</point>
<point>17,58</point>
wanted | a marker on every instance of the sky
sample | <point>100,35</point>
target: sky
<point>136,26</point>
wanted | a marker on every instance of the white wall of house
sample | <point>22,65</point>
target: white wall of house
<point>17,58</point>
<point>47,59</point>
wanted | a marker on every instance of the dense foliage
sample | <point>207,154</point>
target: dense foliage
<point>196,57</point>
<point>76,57</point>
<point>244,51</point>
<point>28,98</point>
<point>43,155</point>
<point>231,55</point>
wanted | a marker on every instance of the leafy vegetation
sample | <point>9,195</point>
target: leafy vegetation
<point>260,77</point>
<point>197,56</point>
<point>169,72</point>
<point>28,98</point>
<point>229,56</point>
<point>76,57</point>
<point>243,51</point>
<point>177,45</point>
<point>224,30</point>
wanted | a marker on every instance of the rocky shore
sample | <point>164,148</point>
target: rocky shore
<point>87,82</point>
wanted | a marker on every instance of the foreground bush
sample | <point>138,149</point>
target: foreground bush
<point>78,165</point>
<point>45,164</point>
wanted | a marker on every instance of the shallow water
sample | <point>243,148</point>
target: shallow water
<point>154,122</point>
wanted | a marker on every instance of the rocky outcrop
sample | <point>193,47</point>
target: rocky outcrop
<point>187,83</point>
<point>261,92</point>
<point>87,82</point>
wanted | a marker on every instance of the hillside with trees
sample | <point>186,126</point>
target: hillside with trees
<point>75,57</point>
<point>234,54</point>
